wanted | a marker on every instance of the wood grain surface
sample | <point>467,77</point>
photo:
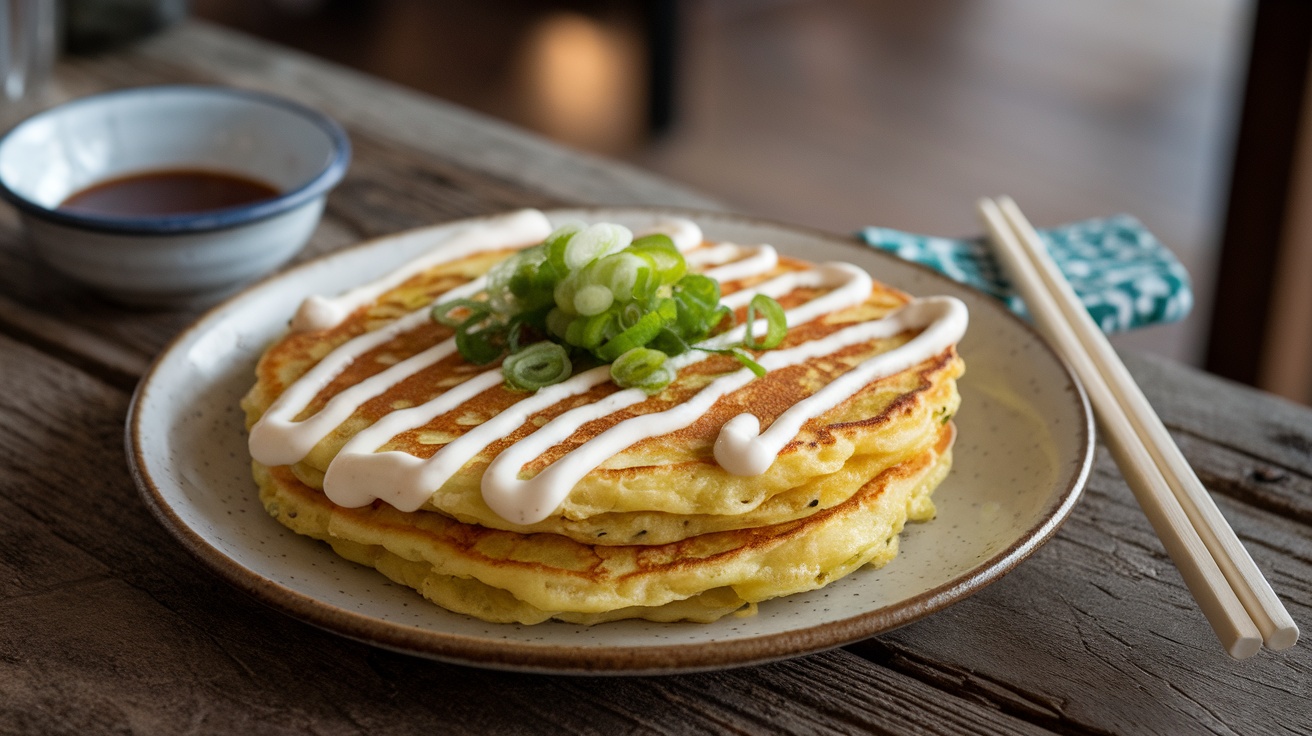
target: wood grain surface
<point>107,625</point>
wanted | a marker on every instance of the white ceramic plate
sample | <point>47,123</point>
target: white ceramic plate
<point>1024,449</point>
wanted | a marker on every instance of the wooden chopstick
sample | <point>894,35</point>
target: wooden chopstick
<point>1278,629</point>
<point>1126,424</point>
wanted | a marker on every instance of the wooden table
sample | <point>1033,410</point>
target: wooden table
<point>106,624</point>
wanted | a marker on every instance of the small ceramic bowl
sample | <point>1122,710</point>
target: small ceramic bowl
<point>170,260</point>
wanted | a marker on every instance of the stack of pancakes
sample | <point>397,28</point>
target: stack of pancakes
<point>659,531</point>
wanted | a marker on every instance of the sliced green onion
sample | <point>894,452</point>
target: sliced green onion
<point>698,303</point>
<point>740,355</point>
<point>722,313</point>
<point>484,345</point>
<point>630,314</point>
<point>448,313</point>
<point>511,279</point>
<point>545,278</point>
<point>642,368</point>
<point>558,322</point>
<point>657,381</point>
<point>749,362</point>
<point>776,323</point>
<point>517,272</point>
<point>647,282</point>
<point>564,292</point>
<point>591,331</point>
<point>638,363</point>
<point>532,325</point>
<point>595,293</point>
<point>593,299</point>
<point>666,259</point>
<point>669,342</point>
<point>555,244</point>
<point>595,241</point>
<point>634,337</point>
<point>619,273</point>
<point>702,289</point>
<point>668,309</point>
<point>540,364</point>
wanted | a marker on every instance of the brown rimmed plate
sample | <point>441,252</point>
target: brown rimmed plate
<point>1024,449</point>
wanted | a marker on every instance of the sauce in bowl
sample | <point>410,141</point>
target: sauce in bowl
<point>168,192</point>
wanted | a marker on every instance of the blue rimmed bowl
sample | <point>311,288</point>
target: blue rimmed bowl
<point>171,260</point>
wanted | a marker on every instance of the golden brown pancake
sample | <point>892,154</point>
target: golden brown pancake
<point>891,416</point>
<point>659,531</point>
<point>506,577</point>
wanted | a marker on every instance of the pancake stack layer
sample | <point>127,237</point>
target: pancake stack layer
<point>659,529</point>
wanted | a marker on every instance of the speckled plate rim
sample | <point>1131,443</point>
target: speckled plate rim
<point>628,660</point>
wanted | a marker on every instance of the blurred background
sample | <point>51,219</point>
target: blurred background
<point>843,113</point>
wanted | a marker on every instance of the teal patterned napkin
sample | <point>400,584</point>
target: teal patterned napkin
<point>1123,274</point>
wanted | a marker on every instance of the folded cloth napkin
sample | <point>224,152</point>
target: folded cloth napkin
<point>1123,274</point>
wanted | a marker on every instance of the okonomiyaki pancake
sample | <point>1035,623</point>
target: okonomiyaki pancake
<point>502,576</point>
<point>913,408</point>
<point>758,463</point>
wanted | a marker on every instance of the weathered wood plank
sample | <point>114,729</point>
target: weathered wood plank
<point>113,362</point>
<point>1226,413</point>
<point>393,187</point>
<point>1254,480</point>
<point>33,560</point>
<point>116,628</point>
<point>1101,617</point>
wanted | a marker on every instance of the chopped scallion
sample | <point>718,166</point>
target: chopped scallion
<point>540,364</point>
<point>775,320</point>
<point>593,292</point>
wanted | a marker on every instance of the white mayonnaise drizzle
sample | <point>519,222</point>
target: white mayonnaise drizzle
<point>407,492</point>
<point>279,440</point>
<point>359,473</point>
<point>350,486</point>
<point>714,255</point>
<point>527,501</point>
<point>684,232</point>
<point>742,449</point>
<point>759,259</point>
<point>522,228</point>
<point>276,439</point>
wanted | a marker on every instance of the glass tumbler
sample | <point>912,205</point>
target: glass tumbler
<point>28,42</point>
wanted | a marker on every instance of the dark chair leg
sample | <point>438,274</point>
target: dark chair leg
<point>1269,126</point>
<point>662,27</point>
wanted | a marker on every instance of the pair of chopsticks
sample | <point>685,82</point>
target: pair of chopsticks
<point>1232,593</point>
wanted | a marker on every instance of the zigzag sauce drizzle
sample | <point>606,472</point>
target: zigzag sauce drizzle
<point>359,473</point>
<point>354,477</point>
<point>277,439</point>
<point>738,449</point>
<point>521,228</point>
<point>742,449</point>
<point>747,261</point>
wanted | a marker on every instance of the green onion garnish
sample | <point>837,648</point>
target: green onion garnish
<point>593,293</point>
<point>638,367</point>
<point>636,336</point>
<point>454,312</point>
<point>481,340</point>
<point>776,323</point>
<point>540,364</point>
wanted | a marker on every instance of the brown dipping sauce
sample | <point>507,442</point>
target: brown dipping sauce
<point>172,192</point>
